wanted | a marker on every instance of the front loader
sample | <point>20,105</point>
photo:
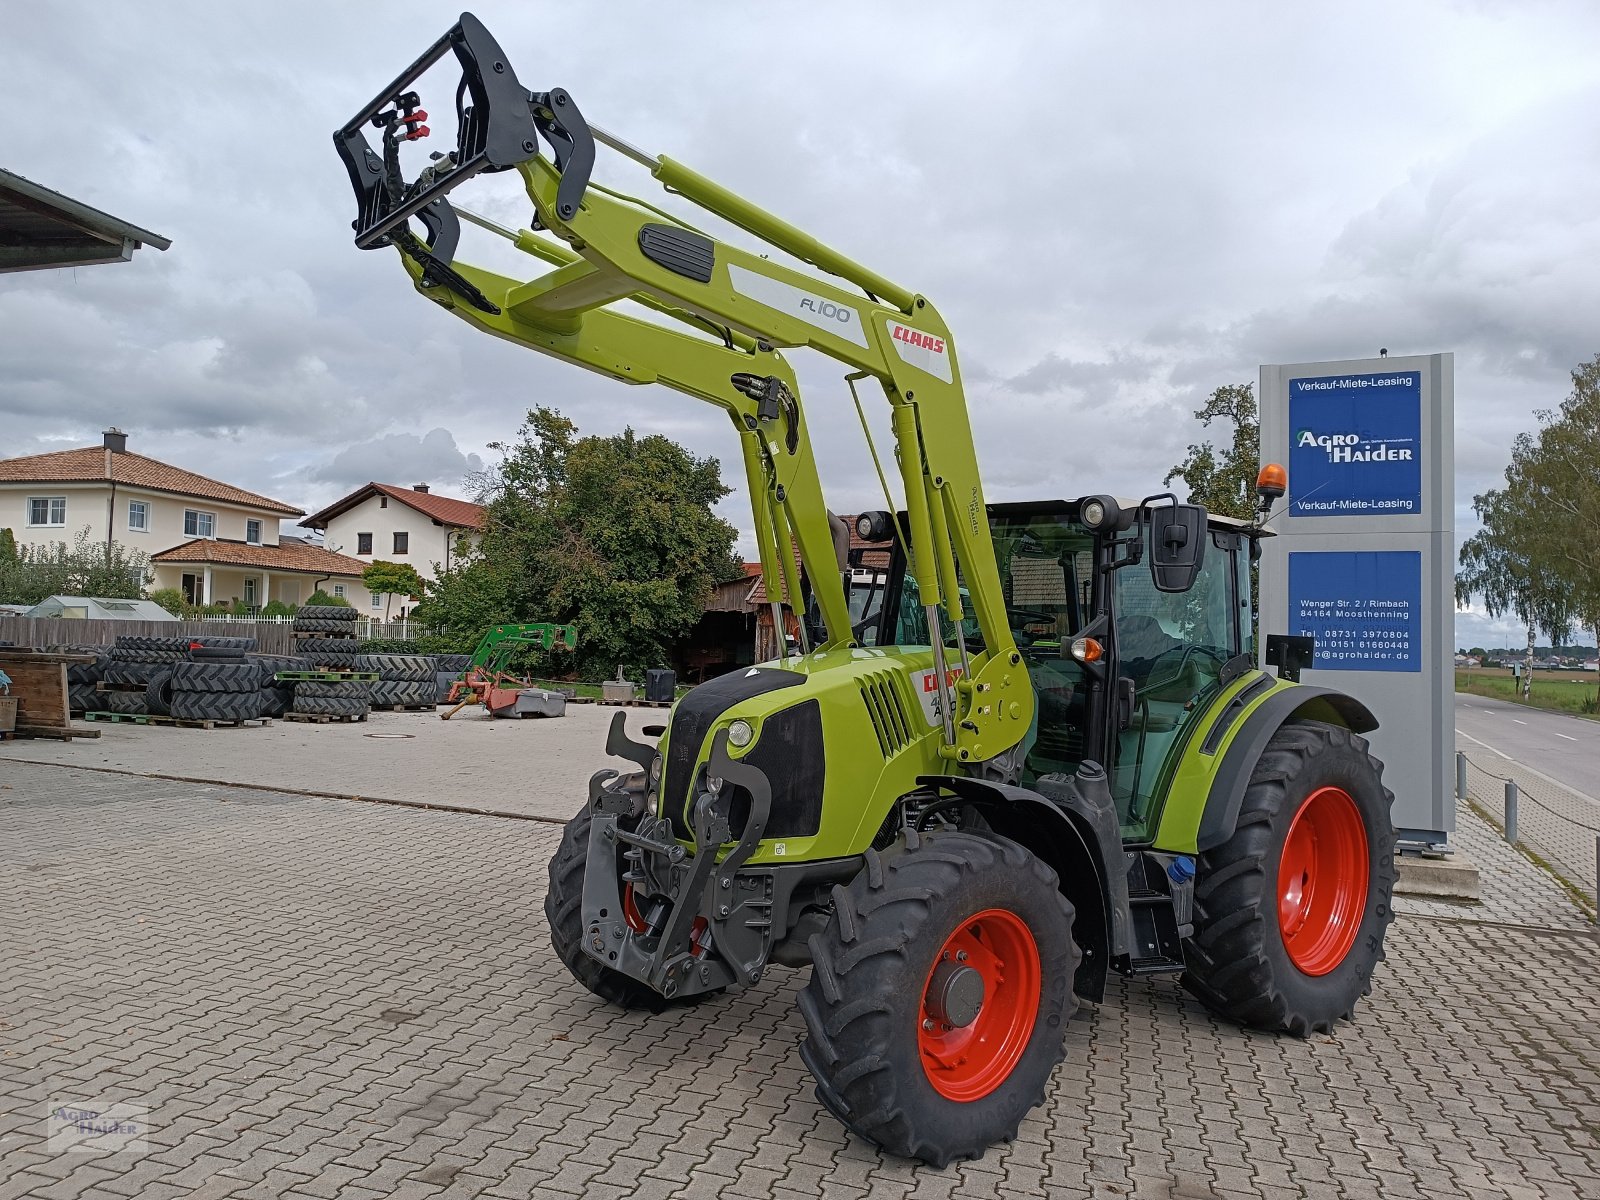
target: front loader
<point>1033,750</point>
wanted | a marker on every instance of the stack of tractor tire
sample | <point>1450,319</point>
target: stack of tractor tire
<point>137,668</point>
<point>447,668</point>
<point>210,689</point>
<point>325,635</point>
<point>349,698</point>
<point>404,680</point>
<point>83,695</point>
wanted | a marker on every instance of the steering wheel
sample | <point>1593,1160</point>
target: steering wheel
<point>1156,678</point>
<point>1018,617</point>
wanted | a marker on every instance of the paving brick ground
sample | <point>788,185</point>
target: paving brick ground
<point>317,998</point>
<point>534,767</point>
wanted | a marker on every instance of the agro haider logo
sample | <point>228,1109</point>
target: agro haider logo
<point>1351,448</point>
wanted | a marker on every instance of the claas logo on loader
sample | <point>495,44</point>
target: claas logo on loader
<point>913,338</point>
<point>930,682</point>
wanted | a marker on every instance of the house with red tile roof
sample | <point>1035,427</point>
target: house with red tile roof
<point>384,522</point>
<point>211,540</point>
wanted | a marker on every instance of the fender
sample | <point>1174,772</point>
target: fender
<point>1244,748</point>
<point>1062,829</point>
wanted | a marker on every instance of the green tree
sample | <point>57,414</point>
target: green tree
<point>172,600</point>
<point>1560,467</point>
<point>8,546</point>
<point>86,568</point>
<point>1223,478</point>
<point>390,579</point>
<point>615,535</point>
<point>1538,553</point>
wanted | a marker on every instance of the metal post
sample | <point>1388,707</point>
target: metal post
<point>1511,810</point>
<point>1461,775</point>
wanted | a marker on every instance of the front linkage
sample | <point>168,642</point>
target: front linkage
<point>707,924</point>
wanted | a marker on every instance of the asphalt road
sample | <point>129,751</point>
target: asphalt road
<point>1565,749</point>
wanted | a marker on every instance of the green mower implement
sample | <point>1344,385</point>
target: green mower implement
<point>1033,749</point>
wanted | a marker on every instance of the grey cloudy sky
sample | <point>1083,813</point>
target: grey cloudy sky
<point>1116,210</point>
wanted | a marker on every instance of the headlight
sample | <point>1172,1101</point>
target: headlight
<point>1093,513</point>
<point>740,734</point>
<point>655,769</point>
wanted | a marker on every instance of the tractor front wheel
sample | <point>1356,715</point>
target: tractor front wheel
<point>940,992</point>
<point>563,909</point>
<point>1290,912</point>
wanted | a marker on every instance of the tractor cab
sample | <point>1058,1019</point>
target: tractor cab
<point>1125,652</point>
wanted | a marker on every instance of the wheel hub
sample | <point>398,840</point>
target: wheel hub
<point>955,994</point>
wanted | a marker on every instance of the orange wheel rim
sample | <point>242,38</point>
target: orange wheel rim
<point>1322,881</point>
<point>979,1004</point>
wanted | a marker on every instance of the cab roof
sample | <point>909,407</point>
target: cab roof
<point>1033,507</point>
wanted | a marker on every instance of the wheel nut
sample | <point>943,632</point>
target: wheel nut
<point>927,1025</point>
<point>599,944</point>
<point>961,956</point>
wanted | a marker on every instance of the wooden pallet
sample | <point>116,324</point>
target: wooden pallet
<point>322,718</point>
<point>182,722</point>
<point>404,707</point>
<point>333,675</point>
<point>637,703</point>
<point>59,733</point>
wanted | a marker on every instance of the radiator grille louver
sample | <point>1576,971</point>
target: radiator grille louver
<point>883,703</point>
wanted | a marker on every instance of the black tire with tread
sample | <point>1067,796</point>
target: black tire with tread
<point>216,654</point>
<point>133,641</point>
<point>135,654</point>
<point>271,664</point>
<point>563,911</point>
<point>209,641</point>
<point>216,706</point>
<point>131,703</point>
<point>870,966</point>
<point>130,674</point>
<point>328,706</point>
<point>334,689</point>
<point>319,625</point>
<point>390,691</point>
<point>397,668</point>
<point>158,695</point>
<point>275,701</point>
<point>1238,966</point>
<point>219,677</point>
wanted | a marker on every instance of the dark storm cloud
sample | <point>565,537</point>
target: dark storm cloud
<point>1115,208</point>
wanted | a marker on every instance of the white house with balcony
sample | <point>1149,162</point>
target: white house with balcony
<point>212,541</point>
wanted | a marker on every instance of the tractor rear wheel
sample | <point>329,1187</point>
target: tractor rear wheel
<point>940,993</point>
<point>563,909</point>
<point>1290,912</point>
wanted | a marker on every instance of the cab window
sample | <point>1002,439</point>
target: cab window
<point>1173,647</point>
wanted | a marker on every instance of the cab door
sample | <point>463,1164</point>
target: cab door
<point>1173,647</point>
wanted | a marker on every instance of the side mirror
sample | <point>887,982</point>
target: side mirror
<point>1177,546</point>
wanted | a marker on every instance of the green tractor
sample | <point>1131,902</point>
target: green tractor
<point>1033,749</point>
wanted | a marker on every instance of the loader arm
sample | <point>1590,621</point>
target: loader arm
<point>608,247</point>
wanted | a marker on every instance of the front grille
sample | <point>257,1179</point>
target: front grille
<point>882,698</point>
<point>693,718</point>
